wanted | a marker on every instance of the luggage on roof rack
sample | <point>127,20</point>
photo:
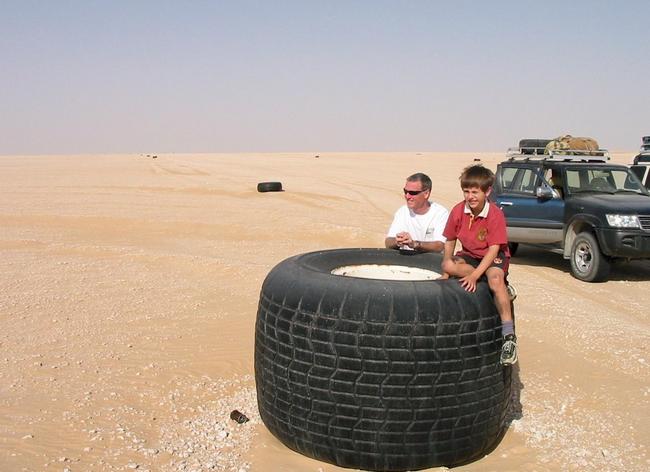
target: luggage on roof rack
<point>572,143</point>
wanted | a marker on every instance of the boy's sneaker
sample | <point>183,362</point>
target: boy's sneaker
<point>512,292</point>
<point>509,350</point>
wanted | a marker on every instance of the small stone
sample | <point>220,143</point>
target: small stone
<point>28,436</point>
<point>604,452</point>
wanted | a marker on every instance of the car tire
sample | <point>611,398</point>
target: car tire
<point>379,374</point>
<point>513,247</point>
<point>588,263</point>
<point>269,187</point>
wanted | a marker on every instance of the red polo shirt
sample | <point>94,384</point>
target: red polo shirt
<point>477,233</point>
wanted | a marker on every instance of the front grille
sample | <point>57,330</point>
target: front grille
<point>645,222</point>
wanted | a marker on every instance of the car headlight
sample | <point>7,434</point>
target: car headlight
<point>623,221</point>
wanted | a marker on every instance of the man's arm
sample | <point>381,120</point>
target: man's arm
<point>391,243</point>
<point>429,246</point>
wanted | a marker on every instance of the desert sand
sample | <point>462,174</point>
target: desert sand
<point>129,289</point>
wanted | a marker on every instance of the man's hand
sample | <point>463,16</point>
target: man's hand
<point>404,239</point>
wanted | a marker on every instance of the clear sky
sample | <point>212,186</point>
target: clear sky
<point>228,76</point>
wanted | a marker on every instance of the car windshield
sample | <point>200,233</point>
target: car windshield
<point>602,180</point>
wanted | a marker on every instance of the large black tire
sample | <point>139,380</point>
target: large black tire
<point>378,374</point>
<point>533,146</point>
<point>587,261</point>
<point>269,187</point>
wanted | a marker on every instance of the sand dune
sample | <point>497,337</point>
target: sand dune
<point>129,291</point>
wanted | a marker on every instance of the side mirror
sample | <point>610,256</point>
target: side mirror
<point>544,192</point>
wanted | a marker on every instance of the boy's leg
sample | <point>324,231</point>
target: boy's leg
<point>457,267</point>
<point>497,283</point>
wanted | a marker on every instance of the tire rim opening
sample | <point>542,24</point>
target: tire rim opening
<point>386,272</point>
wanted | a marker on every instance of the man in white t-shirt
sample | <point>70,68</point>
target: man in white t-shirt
<point>418,225</point>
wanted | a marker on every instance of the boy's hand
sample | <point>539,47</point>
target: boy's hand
<point>469,282</point>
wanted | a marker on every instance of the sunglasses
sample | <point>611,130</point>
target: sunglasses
<point>413,192</point>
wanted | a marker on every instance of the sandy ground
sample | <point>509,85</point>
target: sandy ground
<point>128,294</point>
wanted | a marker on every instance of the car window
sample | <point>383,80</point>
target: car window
<point>553,179</point>
<point>638,171</point>
<point>519,180</point>
<point>525,181</point>
<point>601,180</point>
<point>642,173</point>
<point>508,177</point>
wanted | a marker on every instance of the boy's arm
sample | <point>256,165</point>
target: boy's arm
<point>450,245</point>
<point>469,282</point>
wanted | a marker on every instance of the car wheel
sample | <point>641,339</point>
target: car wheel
<point>513,248</point>
<point>588,263</point>
<point>369,372</point>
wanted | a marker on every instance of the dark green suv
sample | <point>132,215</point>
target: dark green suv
<point>575,203</point>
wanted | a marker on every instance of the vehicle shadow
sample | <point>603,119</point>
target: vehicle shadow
<point>633,271</point>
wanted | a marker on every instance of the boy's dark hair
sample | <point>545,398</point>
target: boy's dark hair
<point>422,178</point>
<point>477,176</point>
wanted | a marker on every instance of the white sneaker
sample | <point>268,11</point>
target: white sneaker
<point>509,350</point>
<point>512,292</point>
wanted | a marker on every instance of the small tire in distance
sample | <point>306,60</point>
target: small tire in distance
<point>269,187</point>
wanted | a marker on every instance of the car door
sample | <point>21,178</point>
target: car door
<point>530,219</point>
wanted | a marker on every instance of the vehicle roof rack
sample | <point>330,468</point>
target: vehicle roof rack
<point>563,155</point>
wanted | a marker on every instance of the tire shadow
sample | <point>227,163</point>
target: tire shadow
<point>515,409</point>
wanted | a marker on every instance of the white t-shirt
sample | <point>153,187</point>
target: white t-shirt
<point>426,227</point>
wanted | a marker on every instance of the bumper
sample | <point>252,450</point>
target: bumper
<point>634,244</point>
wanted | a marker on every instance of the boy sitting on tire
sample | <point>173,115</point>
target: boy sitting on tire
<point>480,226</point>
